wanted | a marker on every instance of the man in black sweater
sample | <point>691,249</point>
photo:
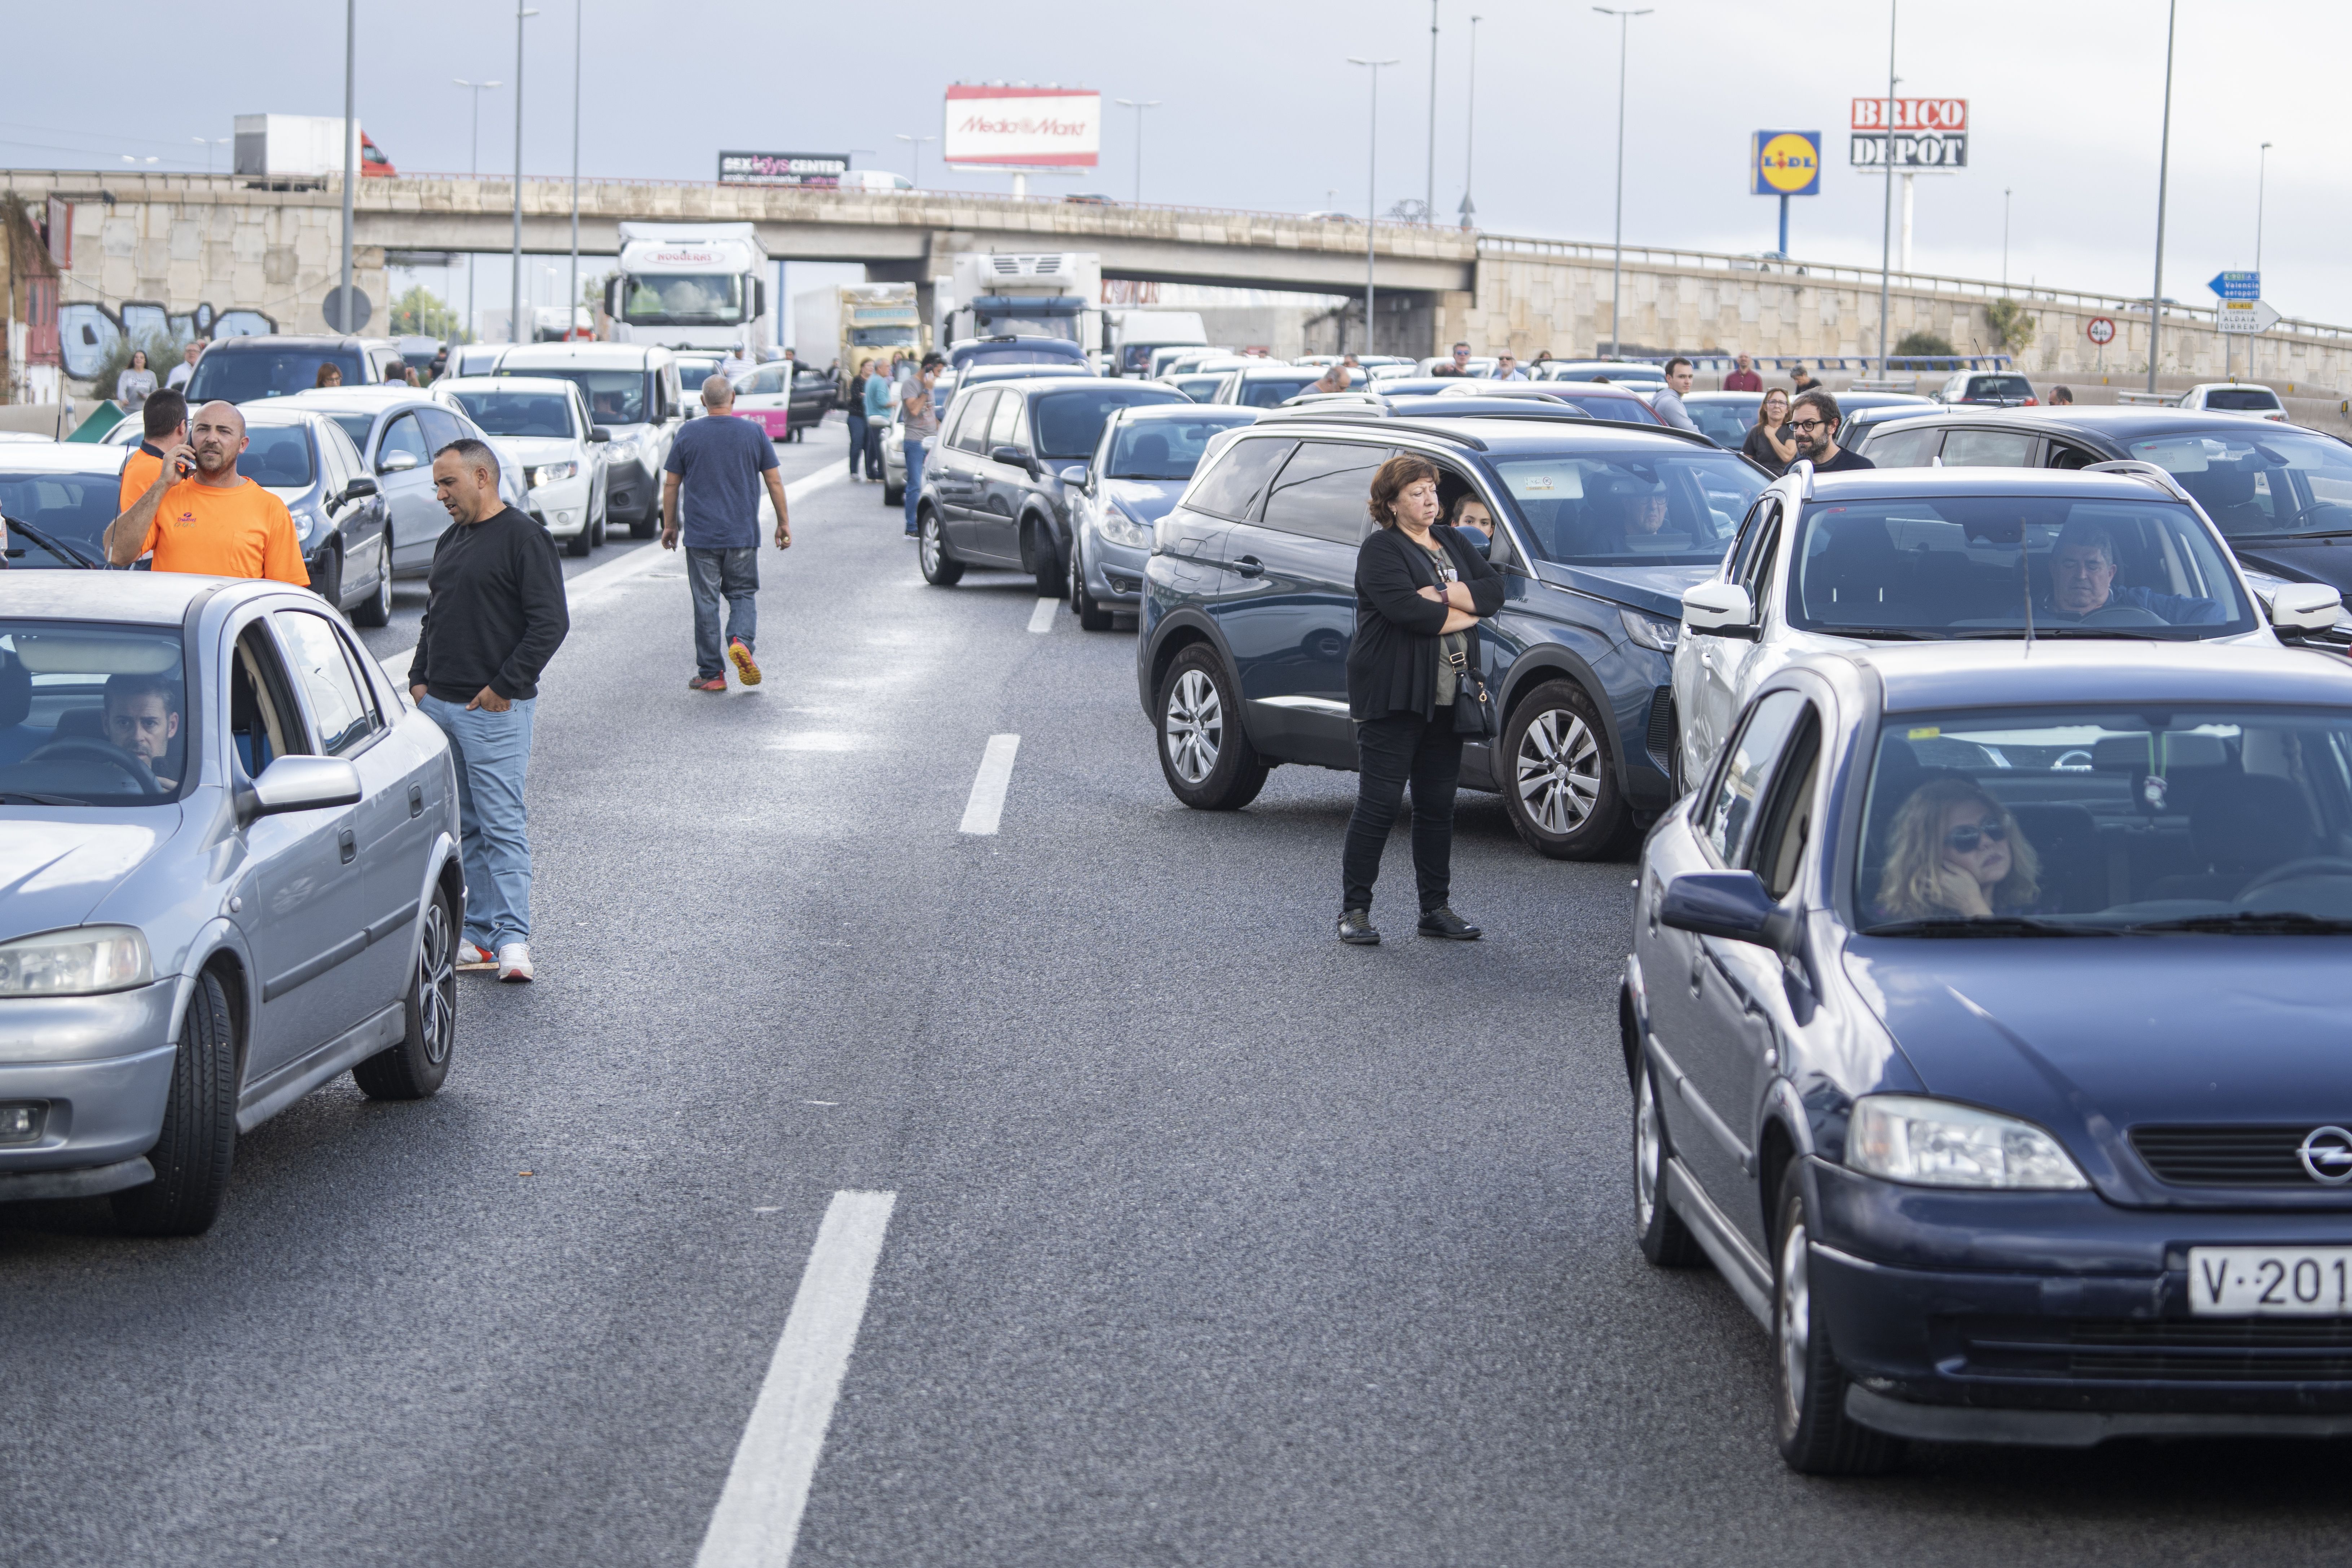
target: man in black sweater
<point>494,614</point>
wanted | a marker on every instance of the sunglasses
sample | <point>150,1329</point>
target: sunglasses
<point>1965,840</point>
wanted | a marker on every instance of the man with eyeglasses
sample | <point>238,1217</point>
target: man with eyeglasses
<point>1813,421</point>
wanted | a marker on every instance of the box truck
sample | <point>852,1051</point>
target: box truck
<point>1134,334</point>
<point>853,322</point>
<point>301,147</point>
<point>1055,294</point>
<point>691,286</point>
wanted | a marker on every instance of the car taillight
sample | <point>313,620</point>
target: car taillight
<point>2032,403</point>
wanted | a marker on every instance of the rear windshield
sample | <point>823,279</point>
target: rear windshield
<point>1199,388</point>
<point>1268,392</point>
<point>2015,386</point>
<point>1164,448</point>
<point>1069,424</point>
<point>71,511</point>
<point>90,714</point>
<point>614,396</point>
<point>1015,353</point>
<point>519,413</point>
<point>240,375</point>
<point>1649,508</point>
<point>1626,410</point>
<point>1725,423</point>
<point>2241,398</point>
<point>1980,565</point>
<point>2257,479</point>
<point>278,455</point>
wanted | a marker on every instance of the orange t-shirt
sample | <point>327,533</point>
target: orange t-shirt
<point>137,475</point>
<point>240,533</point>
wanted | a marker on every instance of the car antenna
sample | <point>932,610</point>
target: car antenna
<point>2025,577</point>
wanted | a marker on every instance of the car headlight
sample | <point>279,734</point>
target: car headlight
<point>78,962</point>
<point>307,525</point>
<point>1113,523</point>
<point>621,449</point>
<point>1651,631</point>
<point>1936,1144</point>
<point>551,473</point>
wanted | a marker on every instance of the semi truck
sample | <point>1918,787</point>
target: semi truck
<point>853,322</point>
<point>299,146</point>
<point>691,286</point>
<point>1052,294</point>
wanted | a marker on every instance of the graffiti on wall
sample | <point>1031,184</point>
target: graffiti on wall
<point>88,334</point>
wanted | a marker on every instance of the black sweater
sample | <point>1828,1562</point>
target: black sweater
<point>494,610</point>
<point>1393,663</point>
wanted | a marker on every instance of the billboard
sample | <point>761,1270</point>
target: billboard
<point>1912,113</point>
<point>1784,163</point>
<point>1023,127</point>
<point>1913,150</point>
<point>820,171</point>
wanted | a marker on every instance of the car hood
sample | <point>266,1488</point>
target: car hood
<point>56,866</point>
<point>2328,560</point>
<point>528,449</point>
<point>1657,589</point>
<point>1146,500</point>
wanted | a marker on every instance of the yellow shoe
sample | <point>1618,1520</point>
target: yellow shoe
<point>745,669</point>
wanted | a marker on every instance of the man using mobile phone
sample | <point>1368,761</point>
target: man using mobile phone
<point>166,414</point>
<point>215,521</point>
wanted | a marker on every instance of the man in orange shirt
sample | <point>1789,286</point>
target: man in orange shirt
<point>215,521</point>
<point>166,417</point>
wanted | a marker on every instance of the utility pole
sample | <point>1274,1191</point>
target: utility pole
<point>1139,106</point>
<point>1371,200</point>
<point>350,154</point>
<point>1470,133</point>
<point>473,167</point>
<point>917,148</point>
<point>2163,179</point>
<point>514,301</point>
<point>1617,259</point>
<point>1886,214</point>
<point>572,304</point>
<point>1429,195</point>
<point>2004,239</point>
<point>2262,175</point>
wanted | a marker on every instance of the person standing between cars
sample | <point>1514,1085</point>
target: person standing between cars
<point>735,362</point>
<point>216,522</point>
<point>166,418</point>
<point>1768,444</point>
<point>1801,379</point>
<point>1668,404</point>
<point>187,365</point>
<point>853,403</point>
<point>1744,378</point>
<point>880,390</point>
<point>711,498</point>
<point>136,384</point>
<point>1458,365</point>
<point>1813,421</point>
<point>1333,379</point>
<point>494,614</point>
<point>1507,367</point>
<point>920,418</point>
<point>2061,397</point>
<point>1420,592</point>
<point>330,374</point>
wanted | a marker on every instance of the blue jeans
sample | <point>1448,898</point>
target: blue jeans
<point>856,442</point>
<point>492,751</point>
<point>714,574</point>
<point>914,480</point>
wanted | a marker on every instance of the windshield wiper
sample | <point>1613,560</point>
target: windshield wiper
<point>2251,922</point>
<point>1995,925</point>
<point>64,552</point>
<point>1889,634</point>
<point>27,797</point>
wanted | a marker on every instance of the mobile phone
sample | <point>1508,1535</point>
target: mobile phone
<point>182,466</point>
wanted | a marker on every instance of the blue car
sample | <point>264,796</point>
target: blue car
<point>1250,605</point>
<point>1142,463</point>
<point>1985,1027</point>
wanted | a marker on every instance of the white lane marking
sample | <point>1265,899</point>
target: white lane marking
<point>1041,619</point>
<point>758,1520</point>
<point>987,802</point>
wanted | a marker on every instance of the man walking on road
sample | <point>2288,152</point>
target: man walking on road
<point>215,521</point>
<point>494,614</point>
<point>1668,405</point>
<point>1744,379</point>
<point>711,498</point>
<point>880,390</point>
<point>853,403</point>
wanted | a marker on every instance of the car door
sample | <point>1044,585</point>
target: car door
<point>1899,447</point>
<point>404,476</point>
<point>958,455</point>
<point>1188,558</point>
<point>1720,655</point>
<point>996,511</point>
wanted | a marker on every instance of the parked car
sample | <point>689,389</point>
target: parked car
<point>994,494</point>
<point>2077,1178</point>
<point>57,497</point>
<point>1601,400</point>
<point>1264,386</point>
<point>268,897</point>
<point>1250,605</point>
<point>1142,463</point>
<point>1011,348</point>
<point>813,391</point>
<point>633,391</point>
<point>1999,389</point>
<point>541,425</point>
<point>397,429</point>
<point>246,370</point>
<point>1614,371</point>
<point>764,396</point>
<point>2235,397</point>
<point>474,359</point>
<point>693,370</point>
<point>1197,387</point>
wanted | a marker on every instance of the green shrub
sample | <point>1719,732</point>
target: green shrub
<point>2012,329</point>
<point>1925,344</point>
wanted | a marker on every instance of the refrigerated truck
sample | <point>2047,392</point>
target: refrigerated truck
<point>1048,294</point>
<point>853,322</point>
<point>299,146</point>
<point>691,286</point>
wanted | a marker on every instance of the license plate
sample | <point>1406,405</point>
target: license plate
<point>2269,1282</point>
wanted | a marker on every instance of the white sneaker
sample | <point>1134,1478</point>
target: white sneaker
<point>472,957</point>
<point>514,961</point>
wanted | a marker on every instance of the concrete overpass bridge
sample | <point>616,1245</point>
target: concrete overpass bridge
<point>137,249</point>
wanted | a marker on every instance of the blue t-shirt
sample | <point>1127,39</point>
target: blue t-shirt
<point>718,459</point>
<point>880,392</point>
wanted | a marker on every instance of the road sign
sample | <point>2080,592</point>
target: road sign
<point>2237,285</point>
<point>1784,163</point>
<point>347,316</point>
<point>2100,330</point>
<point>2245,316</point>
<point>1913,150</point>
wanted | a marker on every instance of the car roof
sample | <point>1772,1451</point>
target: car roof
<point>145,598</point>
<point>503,383</point>
<point>2004,673</point>
<point>1723,397</point>
<point>1260,369</point>
<point>1042,386</point>
<point>61,458</point>
<point>1233,412</point>
<point>254,342</point>
<point>2116,421</point>
<point>2078,484</point>
<point>277,411</point>
<point>1500,438</point>
<point>546,356</point>
<point>367,399</point>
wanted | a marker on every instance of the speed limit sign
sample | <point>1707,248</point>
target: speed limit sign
<point>2100,330</point>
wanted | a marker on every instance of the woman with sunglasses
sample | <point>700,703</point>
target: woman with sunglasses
<point>1955,853</point>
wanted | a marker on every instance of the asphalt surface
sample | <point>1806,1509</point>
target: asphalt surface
<point>1214,1242</point>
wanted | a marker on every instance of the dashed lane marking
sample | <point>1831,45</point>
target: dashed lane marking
<point>987,802</point>
<point>1041,619</point>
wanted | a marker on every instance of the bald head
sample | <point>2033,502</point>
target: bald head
<point>216,432</point>
<point>718,393</point>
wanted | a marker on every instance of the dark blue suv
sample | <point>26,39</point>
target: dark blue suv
<point>1250,603</point>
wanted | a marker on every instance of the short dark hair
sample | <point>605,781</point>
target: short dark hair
<point>165,412</point>
<point>472,453</point>
<point>2057,394</point>
<point>130,687</point>
<point>1464,347</point>
<point>1392,479</point>
<point>1677,360</point>
<point>1821,400</point>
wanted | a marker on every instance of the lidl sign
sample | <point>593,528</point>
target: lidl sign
<point>1785,163</point>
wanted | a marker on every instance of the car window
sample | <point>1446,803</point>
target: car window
<point>1899,449</point>
<point>1788,823</point>
<point>1730,813</point>
<point>264,721</point>
<point>91,714</point>
<point>972,424</point>
<point>403,435</point>
<point>441,428</point>
<point>1068,423</point>
<point>1725,423</point>
<point>345,717</point>
<point>247,374</point>
<point>70,509</point>
<point>1002,428</point>
<point>2241,398</point>
<point>358,427</point>
<point>542,413</point>
<point>333,471</point>
<point>2261,479</point>
<point>614,396</point>
<point>1231,487</point>
<point>1988,450</point>
<point>1323,491</point>
<point>278,455</point>
<point>1651,505</point>
<point>2064,457</point>
<point>1269,391</point>
<point>2008,386</point>
<point>1756,565</point>
<point>1164,448</point>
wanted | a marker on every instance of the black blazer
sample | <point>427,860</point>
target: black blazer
<point>1393,663</point>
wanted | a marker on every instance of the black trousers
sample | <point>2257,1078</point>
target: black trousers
<point>1403,748</point>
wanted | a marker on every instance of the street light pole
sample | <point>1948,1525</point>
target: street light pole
<point>2163,179</point>
<point>2261,176</point>
<point>572,304</point>
<point>1470,133</point>
<point>1617,262</point>
<point>917,147</point>
<point>474,167</point>
<point>2004,239</point>
<point>514,299</point>
<point>350,153</point>
<point>1886,211</point>
<point>1371,200</point>
<point>1139,106</point>
<point>1429,195</point>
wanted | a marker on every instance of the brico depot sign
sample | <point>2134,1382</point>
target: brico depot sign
<point>1020,128</point>
<point>1927,133</point>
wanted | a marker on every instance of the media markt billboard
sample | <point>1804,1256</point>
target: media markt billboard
<point>1927,133</point>
<point>819,171</point>
<point>1020,128</point>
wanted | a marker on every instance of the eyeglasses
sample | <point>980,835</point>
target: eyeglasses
<point>1805,424</point>
<point>1966,839</point>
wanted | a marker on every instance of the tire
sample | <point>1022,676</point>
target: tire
<point>579,544</point>
<point>198,1144</point>
<point>415,1068</point>
<point>376,609</point>
<point>1052,584</point>
<point>647,526</point>
<point>1665,1241</point>
<point>1676,785</point>
<point>940,570</point>
<point>1206,758</point>
<point>328,582</point>
<point>1815,1435</point>
<point>891,497</point>
<point>604,520</point>
<point>1560,776</point>
<point>1092,617</point>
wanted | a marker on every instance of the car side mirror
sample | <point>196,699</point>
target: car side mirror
<point>1017,456</point>
<point>1075,475</point>
<point>1722,608</point>
<point>1729,904</point>
<point>2305,606</point>
<point>303,783</point>
<point>397,463</point>
<point>600,433</point>
<point>359,489</point>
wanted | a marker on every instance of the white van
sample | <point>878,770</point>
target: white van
<point>633,391</point>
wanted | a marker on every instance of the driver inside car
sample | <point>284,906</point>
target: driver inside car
<point>2083,577</point>
<point>141,716</point>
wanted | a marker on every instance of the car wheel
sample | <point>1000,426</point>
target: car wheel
<point>1051,583</point>
<point>1559,779</point>
<point>579,544</point>
<point>1815,1434</point>
<point>414,1069</point>
<point>376,609</point>
<point>893,497</point>
<point>327,582</point>
<point>940,570</point>
<point>649,525</point>
<point>604,516</point>
<point>1665,1240</point>
<point>199,1137</point>
<point>1092,617</point>
<point>1209,762</point>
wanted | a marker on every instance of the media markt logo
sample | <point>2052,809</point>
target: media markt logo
<point>2327,1155</point>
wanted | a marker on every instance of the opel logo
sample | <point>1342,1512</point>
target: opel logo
<point>2327,1155</point>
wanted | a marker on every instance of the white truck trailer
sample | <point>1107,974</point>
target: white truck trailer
<point>692,286</point>
<point>299,147</point>
<point>1052,294</point>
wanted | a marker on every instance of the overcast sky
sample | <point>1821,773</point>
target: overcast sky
<point>1261,110</point>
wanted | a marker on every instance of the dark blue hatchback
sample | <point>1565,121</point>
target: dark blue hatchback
<point>1249,606</point>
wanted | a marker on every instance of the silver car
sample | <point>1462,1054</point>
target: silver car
<point>1142,464</point>
<point>397,429</point>
<point>230,850</point>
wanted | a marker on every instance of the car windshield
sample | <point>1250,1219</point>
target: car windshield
<point>1068,424</point>
<point>614,396</point>
<point>1010,354</point>
<point>519,413</point>
<point>355,426</point>
<point>1269,391</point>
<point>1648,506</point>
<point>2051,821</point>
<point>2255,480</point>
<point>1725,423</point>
<point>1959,566</point>
<point>1199,388</point>
<point>90,714</point>
<point>2241,398</point>
<point>683,300</point>
<point>1999,387</point>
<point>1626,410</point>
<point>69,511</point>
<point>242,375</point>
<point>1164,448</point>
<point>278,455</point>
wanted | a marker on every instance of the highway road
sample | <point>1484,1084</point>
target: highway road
<point>1206,1240</point>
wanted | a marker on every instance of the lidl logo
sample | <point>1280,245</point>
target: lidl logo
<point>1785,163</point>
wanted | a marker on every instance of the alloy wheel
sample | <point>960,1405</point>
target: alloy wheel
<point>1559,771</point>
<point>929,544</point>
<point>1793,1307</point>
<point>1195,726</point>
<point>1649,1152</point>
<point>437,984</point>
